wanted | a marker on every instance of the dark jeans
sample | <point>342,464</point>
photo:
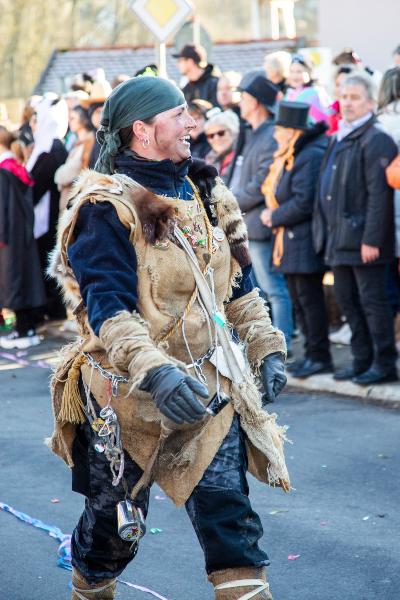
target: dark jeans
<point>361,293</point>
<point>308,299</point>
<point>219,508</point>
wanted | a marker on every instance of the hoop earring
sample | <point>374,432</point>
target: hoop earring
<point>145,142</point>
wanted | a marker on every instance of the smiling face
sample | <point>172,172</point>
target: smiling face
<point>168,134</point>
<point>298,76</point>
<point>220,138</point>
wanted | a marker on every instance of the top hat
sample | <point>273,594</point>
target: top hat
<point>262,89</point>
<point>293,115</point>
<point>99,93</point>
<point>195,52</point>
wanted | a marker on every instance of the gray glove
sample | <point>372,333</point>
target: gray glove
<point>273,376</point>
<point>174,394</point>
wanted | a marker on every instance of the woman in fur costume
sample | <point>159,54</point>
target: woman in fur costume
<point>145,358</point>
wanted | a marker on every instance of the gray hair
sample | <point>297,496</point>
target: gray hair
<point>227,119</point>
<point>364,80</point>
<point>278,61</point>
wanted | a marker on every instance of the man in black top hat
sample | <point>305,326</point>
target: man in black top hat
<point>250,168</point>
<point>202,77</point>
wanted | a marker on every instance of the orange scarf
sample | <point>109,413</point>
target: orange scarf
<point>283,159</point>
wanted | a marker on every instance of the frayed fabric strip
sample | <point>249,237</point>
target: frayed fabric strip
<point>249,316</point>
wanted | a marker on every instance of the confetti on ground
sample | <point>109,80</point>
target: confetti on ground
<point>324,466</point>
<point>293,556</point>
<point>64,550</point>
<point>159,498</point>
<point>16,358</point>
<point>366,518</point>
<point>155,530</point>
<point>384,456</point>
<point>278,510</point>
<point>323,523</point>
<point>54,500</point>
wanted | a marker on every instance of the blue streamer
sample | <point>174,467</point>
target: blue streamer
<point>64,550</point>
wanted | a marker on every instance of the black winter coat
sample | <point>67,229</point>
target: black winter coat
<point>43,173</point>
<point>205,88</point>
<point>359,200</point>
<point>21,282</point>
<point>295,194</point>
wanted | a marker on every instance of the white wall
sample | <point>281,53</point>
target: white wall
<point>371,27</point>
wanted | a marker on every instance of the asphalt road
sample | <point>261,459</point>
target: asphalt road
<point>340,526</point>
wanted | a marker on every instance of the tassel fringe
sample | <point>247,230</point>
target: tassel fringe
<point>72,409</point>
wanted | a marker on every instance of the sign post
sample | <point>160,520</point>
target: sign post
<point>162,19</point>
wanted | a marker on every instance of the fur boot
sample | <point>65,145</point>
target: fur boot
<point>82,590</point>
<point>241,583</point>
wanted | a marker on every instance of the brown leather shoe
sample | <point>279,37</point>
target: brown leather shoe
<point>241,582</point>
<point>82,590</point>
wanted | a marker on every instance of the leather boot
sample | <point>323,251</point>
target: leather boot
<point>241,583</point>
<point>82,590</point>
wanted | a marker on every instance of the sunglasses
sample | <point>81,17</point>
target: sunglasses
<point>219,133</point>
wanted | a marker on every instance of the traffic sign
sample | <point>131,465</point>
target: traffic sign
<point>162,17</point>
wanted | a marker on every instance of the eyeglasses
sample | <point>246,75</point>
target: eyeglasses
<point>219,133</point>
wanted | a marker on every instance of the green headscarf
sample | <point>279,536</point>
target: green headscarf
<point>139,98</point>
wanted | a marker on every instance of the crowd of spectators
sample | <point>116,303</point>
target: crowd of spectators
<point>308,166</point>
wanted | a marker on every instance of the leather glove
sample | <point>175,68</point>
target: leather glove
<point>174,394</point>
<point>273,376</point>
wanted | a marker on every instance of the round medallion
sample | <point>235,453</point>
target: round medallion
<point>218,234</point>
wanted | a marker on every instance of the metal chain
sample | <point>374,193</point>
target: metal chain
<point>115,379</point>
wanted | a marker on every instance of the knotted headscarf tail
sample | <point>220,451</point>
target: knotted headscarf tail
<point>139,98</point>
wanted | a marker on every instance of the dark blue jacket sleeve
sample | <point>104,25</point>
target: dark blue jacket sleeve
<point>246,284</point>
<point>104,263</point>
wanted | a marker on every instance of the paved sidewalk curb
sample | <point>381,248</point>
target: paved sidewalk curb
<point>388,394</point>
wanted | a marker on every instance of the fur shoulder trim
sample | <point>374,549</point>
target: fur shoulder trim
<point>230,219</point>
<point>135,205</point>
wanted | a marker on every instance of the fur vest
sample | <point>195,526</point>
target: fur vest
<point>165,285</point>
